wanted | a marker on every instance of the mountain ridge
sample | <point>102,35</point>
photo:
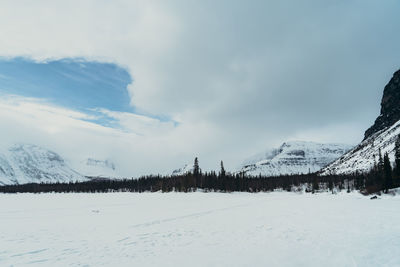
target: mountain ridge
<point>293,157</point>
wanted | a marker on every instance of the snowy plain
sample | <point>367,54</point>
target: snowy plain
<point>199,229</point>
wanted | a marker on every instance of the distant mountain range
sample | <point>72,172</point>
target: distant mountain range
<point>28,163</point>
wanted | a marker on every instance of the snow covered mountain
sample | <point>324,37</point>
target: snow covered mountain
<point>380,136</point>
<point>183,170</point>
<point>296,157</point>
<point>97,168</point>
<point>25,163</point>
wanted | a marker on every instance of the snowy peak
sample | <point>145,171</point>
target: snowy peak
<point>187,168</point>
<point>92,167</point>
<point>25,163</point>
<point>297,157</point>
<point>101,163</point>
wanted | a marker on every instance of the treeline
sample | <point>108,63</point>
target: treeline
<point>222,181</point>
<point>209,181</point>
<point>381,178</point>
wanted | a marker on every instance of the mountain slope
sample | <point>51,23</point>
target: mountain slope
<point>381,136</point>
<point>296,157</point>
<point>24,163</point>
<point>363,157</point>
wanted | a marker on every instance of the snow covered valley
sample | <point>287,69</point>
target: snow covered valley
<point>199,229</point>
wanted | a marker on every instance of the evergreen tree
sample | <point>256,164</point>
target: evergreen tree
<point>397,158</point>
<point>330,185</point>
<point>388,183</point>
<point>222,169</point>
<point>196,168</point>
<point>378,180</point>
<point>315,185</point>
<point>380,162</point>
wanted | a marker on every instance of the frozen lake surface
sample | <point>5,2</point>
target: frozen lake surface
<point>199,229</point>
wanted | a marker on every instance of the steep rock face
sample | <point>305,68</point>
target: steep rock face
<point>293,158</point>
<point>24,163</point>
<point>390,106</point>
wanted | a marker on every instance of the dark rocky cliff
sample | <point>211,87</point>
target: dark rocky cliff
<point>390,106</point>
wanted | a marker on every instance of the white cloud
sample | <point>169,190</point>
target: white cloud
<point>139,124</point>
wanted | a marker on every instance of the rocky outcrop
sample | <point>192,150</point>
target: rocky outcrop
<point>390,106</point>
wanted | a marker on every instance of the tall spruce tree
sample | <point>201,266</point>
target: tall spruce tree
<point>222,173</point>
<point>397,158</point>
<point>387,172</point>
<point>196,168</point>
<point>379,171</point>
<point>380,162</point>
<point>315,185</point>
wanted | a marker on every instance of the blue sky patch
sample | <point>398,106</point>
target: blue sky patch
<point>71,83</point>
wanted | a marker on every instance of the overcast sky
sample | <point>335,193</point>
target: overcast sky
<point>179,79</point>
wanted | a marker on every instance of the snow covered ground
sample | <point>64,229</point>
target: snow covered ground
<point>199,229</point>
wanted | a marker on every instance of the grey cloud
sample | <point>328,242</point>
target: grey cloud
<point>306,63</point>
